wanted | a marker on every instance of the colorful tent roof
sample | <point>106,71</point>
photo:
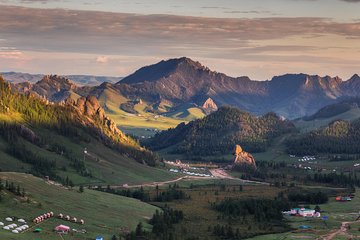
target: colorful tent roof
<point>62,228</point>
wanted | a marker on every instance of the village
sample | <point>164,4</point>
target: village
<point>20,225</point>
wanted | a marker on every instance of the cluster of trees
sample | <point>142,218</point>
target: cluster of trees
<point>334,179</point>
<point>262,210</point>
<point>162,225</point>
<point>171,194</point>
<point>136,193</point>
<point>168,195</point>
<point>339,137</point>
<point>11,187</point>
<point>163,221</point>
<point>218,133</point>
<point>40,165</point>
<point>226,232</point>
<point>308,197</point>
<point>265,170</point>
<point>16,134</point>
<point>343,157</point>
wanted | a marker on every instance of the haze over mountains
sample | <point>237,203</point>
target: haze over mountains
<point>169,85</point>
<point>18,77</point>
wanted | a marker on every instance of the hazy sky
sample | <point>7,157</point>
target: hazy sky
<point>257,38</point>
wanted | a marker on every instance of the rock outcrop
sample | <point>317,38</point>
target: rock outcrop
<point>95,114</point>
<point>209,106</point>
<point>243,158</point>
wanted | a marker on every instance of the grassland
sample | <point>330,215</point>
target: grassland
<point>140,123</point>
<point>337,212</point>
<point>104,214</point>
<point>142,120</point>
<point>199,215</point>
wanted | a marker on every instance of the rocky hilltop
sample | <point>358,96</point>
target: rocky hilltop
<point>92,114</point>
<point>52,87</point>
<point>243,158</point>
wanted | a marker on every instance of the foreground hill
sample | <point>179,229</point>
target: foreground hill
<point>219,132</point>
<point>49,139</point>
<point>104,214</point>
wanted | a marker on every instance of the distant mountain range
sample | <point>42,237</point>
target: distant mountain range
<point>18,77</point>
<point>169,85</point>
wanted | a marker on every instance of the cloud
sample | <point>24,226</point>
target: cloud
<point>12,54</point>
<point>101,37</point>
<point>102,59</point>
<point>111,33</point>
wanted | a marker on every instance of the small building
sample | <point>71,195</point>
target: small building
<point>62,228</point>
<point>343,199</point>
<point>99,238</point>
<point>303,212</point>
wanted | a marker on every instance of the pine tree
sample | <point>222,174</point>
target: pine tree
<point>139,229</point>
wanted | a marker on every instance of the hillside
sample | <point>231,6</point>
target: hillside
<point>345,110</point>
<point>104,214</point>
<point>339,137</point>
<point>218,133</point>
<point>49,139</point>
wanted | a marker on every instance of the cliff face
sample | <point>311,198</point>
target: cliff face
<point>242,157</point>
<point>95,116</point>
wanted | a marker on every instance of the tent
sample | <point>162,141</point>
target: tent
<point>37,230</point>
<point>62,228</point>
<point>99,238</point>
<point>304,227</point>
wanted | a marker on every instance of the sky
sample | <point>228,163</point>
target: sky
<point>255,38</point>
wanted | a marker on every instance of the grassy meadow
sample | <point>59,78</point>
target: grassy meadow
<point>104,214</point>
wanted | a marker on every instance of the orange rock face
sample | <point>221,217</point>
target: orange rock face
<point>242,157</point>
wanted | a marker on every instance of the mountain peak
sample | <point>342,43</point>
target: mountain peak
<point>190,62</point>
<point>162,69</point>
<point>355,77</point>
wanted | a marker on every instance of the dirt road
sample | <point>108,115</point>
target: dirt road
<point>222,174</point>
<point>217,174</point>
<point>342,231</point>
